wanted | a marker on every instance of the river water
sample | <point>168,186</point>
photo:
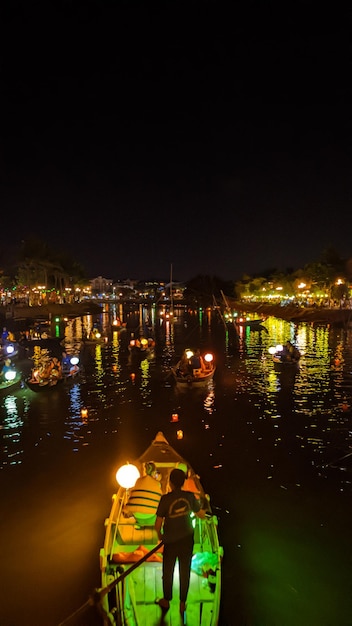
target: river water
<point>273,450</point>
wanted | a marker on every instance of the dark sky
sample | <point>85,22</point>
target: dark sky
<point>213,136</point>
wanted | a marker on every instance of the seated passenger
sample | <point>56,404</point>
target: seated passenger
<point>189,484</point>
<point>144,497</point>
<point>5,368</point>
<point>290,353</point>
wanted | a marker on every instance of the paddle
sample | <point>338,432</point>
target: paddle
<point>105,590</point>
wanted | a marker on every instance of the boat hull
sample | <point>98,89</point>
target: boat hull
<point>131,600</point>
<point>44,385</point>
<point>13,385</point>
<point>189,381</point>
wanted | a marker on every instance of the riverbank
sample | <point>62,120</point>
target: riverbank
<point>317,315</point>
<point>15,312</point>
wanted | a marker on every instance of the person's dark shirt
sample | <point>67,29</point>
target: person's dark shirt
<point>176,508</point>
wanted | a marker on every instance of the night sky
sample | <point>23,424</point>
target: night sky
<point>212,136</point>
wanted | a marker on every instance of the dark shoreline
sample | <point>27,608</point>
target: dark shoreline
<point>318,315</point>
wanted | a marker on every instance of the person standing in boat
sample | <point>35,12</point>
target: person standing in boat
<point>4,335</point>
<point>197,361</point>
<point>144,497</point>
<point>290,353</point>
<point>175,530</point>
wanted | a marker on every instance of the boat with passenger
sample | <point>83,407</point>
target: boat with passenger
<point>10,378</point>
<point>194,369</point>
<point>131,559</point>
<point>285,356</point>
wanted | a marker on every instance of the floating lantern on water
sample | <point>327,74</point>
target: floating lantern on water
<point>179,434</point>
<point>174,417</point>
<point>133,376</point>
<point>127,475</point>
<point>345,406</point>
<point>84,413</point>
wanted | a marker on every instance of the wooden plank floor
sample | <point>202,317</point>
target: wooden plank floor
<point>145,586</point>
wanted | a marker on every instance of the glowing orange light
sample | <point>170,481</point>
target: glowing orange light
<point>179,434</point>
<point>133,376</point>
<point>174,417</point>
<point>84,412</point>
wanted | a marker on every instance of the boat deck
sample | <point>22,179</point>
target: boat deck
<point>144,586</point>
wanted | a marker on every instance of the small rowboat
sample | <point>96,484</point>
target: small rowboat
<point>44,385</point>
<point>131,559</point>
<point>11,384</point>
<point>190,381</point>
<point>188,378</point>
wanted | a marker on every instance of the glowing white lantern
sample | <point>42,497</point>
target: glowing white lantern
<point>272,350</point>
<point>74,360</point>
<point>208,357</point>
<point>10,375</point>
<point>127,475</point>
<point>10,349</point>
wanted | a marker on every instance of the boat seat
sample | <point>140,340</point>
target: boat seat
<point>130,534</point>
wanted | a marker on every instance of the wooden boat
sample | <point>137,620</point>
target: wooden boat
<point>281,365</point>
<point>46,373</point>
<point>11,385</point>
<point>252,323</point>
<point>140,349</point>
<point>187,377</point>
<point>43,385</point>
<point>131,559</point>
<point>70,365</point>
<point>9,349</point>
<point>285,358</point>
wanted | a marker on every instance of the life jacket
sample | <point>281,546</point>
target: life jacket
<point>145,496</point>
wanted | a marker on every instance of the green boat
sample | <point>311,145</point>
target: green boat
<point>11,384</point>
<point>131,559</point>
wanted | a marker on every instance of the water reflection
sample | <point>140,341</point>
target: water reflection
<point>307,411</point>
